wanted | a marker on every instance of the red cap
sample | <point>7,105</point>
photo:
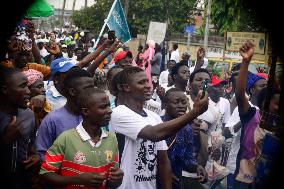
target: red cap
<point>216,81</point>
<point>265,76</point>
<point>122,55</point>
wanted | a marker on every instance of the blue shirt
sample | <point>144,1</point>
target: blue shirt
<point>183,152</point>
<point>52,126</point>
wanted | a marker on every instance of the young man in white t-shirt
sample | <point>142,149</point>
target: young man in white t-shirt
<point>216,92</point>
<point>163,79</point>
<point>144,154</point>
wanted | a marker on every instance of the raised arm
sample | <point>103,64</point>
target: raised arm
<point>163,130</point>
<point>200,58</point>
<point>35,49</point>
<point>92,56</point>
<point>246,52</point>
<point>92,68</point>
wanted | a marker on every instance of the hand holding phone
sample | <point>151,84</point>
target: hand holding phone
<point>111,35</point>
<point>204,88</point>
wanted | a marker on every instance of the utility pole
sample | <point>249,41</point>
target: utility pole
<point>126,7</point>
<point>73,8</point>
<point>188,41</point>
<point>86,3</point>
<point>207,26</point>
<point>62,14</point>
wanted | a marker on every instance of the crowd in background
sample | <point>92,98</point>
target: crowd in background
<point>76,115</point>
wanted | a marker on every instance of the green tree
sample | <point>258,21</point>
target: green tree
<point>140,13</point>
<point>234,15</point>
<point>92,17</point>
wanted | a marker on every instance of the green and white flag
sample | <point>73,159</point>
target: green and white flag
<point>116,21</point>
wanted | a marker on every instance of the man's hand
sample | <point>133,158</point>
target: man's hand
<point>31,30</point>
<point>161,92</point>
<point>200,54</point>
<point>116,45</point>
<point>200,104</point>
<point>107,43</point>
<point>91,179</point>
<point>53,49</point>
<point>115,177</point>
<point>32,161</point>
<point>201,173</point>
<point>247,51</point>
<point>12,131</point>
<point>37,102</point>
<point>196,126</point>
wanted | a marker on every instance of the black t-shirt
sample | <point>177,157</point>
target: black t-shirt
<point>17,151</point>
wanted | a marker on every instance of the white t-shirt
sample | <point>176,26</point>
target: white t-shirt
<point>163,79</point>
<point>175,56</point>
<point>139,157</point>
<point>205,64</point>
<point>225,109</point>
<point>43,52</point>
<point>154,106</point>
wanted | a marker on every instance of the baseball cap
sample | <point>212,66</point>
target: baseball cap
<point>264,75</point>
<point>60,65</point>
<point>215,81</point>
<point>122,55</point>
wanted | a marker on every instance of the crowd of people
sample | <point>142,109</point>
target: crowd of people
<point>75,115</point>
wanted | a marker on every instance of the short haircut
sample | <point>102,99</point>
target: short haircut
<point>5,74</point>
<point>262,95</point>
<point>175,46</point>
<point>109,73</point>
<point>169,92</point>
<point>192,75</point>
<point>115,83</point>
<point>158,48</point>
<point>84,99</point>
<point>171,61</point>
<point>127,73</point>
<point>176,68</point>
<point>72,75</point>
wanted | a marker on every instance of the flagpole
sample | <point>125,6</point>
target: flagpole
<point>105,23</point>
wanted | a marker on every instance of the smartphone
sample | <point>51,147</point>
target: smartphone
<point>204,88</point>
<point>111,35</point>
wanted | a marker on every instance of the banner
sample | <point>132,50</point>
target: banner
<point>157,31</point>
<point>236,39</point>
<point>116,21</point>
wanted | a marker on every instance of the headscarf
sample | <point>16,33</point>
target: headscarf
<point>33,76</point>
<point>251,80</point>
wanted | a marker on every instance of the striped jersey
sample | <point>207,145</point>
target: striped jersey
<point>73,152</point>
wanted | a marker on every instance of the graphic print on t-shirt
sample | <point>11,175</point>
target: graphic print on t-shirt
<point>145,161</point>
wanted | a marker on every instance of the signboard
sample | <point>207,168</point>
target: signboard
<point>189,29</point>
<point>157,31</point>
<point>236,39</point>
